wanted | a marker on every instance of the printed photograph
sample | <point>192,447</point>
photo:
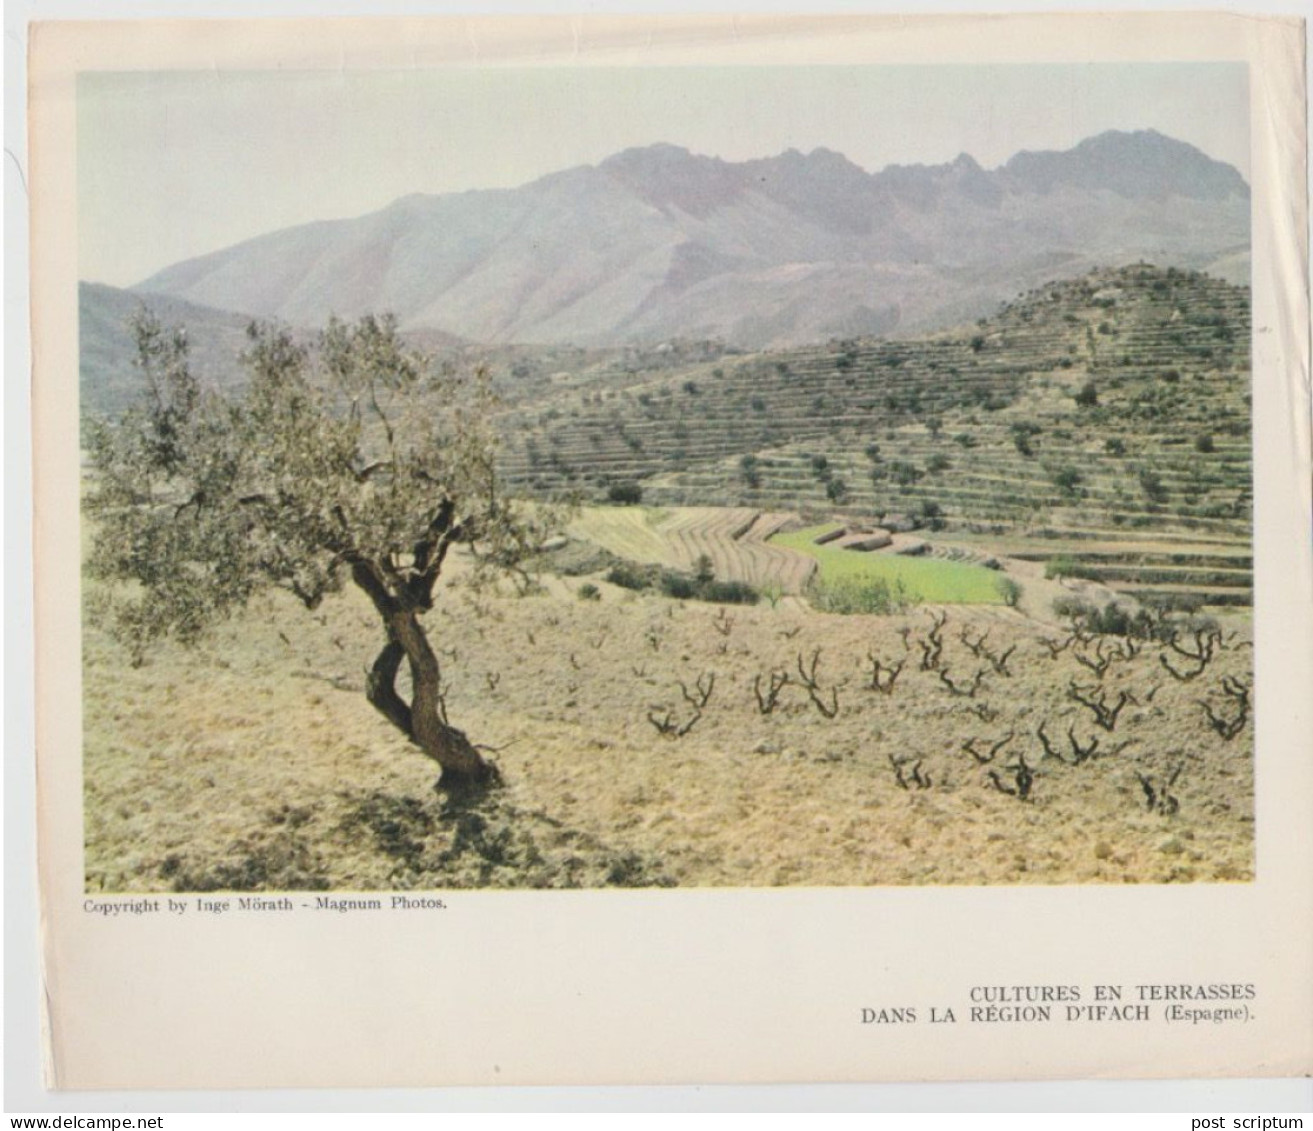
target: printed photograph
<point>665,477</point>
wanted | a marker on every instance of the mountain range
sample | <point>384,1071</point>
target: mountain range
<point>657,242</point>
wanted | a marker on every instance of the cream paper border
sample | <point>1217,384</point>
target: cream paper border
<point>704,985</point>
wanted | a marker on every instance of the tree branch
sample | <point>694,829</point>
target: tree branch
<point>366,575</point>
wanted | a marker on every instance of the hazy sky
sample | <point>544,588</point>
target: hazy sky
<point>176,164</point>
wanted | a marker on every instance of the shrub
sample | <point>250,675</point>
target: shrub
<point>938,463</point>
<point>1169,604</point>
<point>1009,590</point>
<point>905,473</point>
<point>1022,432</point>
<point>836,490</point>
<point>860,596</point>
<point>1203,443</point>
<point>589,592</point>
<point>1115,446</point>
<point>1067,480</point>
<point>1088,396</point>
<point>629,575</point>
<point>748,469</point>
<point>1151,484</point>
<point>728,593</point>
<point>627,493</point>
<point>678,585</point>
<point>681,587</point>
<point>1074,608</point>
<point>1113,619</point>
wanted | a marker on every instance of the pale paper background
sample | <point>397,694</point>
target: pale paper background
<point>686,985</point>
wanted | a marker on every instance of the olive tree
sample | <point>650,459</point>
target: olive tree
<point>355,461</point>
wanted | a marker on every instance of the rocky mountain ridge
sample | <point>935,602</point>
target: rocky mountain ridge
<point>657,242</point>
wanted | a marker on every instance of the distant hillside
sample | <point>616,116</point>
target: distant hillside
<point>108,380</point>
<point>659,243</point>
<point>1111,409</point>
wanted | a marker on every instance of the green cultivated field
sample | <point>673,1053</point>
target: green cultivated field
<point>929,579</point>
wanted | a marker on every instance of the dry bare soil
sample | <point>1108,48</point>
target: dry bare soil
<point>255,763</point>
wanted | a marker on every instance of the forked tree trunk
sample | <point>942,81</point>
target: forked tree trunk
<point>423,719</point>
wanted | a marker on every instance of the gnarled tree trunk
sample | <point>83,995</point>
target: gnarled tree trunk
<point>423,720</point>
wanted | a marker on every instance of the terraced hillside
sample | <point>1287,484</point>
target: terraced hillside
<point>734,539</point>
<point>1104,418</point>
